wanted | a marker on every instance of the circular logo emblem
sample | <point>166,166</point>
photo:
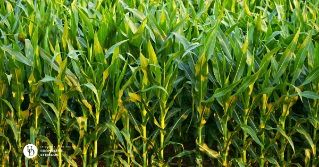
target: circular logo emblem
<point>30,151</point>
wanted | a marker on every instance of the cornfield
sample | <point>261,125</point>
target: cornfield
<point>159,82</point>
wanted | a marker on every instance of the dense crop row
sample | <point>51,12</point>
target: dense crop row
<point>158,83</point>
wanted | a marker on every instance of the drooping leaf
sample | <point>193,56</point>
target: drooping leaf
<point>252,133</point>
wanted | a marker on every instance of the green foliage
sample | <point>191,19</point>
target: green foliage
<point>152,83</point>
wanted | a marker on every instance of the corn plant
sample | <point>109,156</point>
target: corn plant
<point>159,83</point>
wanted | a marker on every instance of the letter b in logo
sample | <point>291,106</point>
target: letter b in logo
<point>30,151</point>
